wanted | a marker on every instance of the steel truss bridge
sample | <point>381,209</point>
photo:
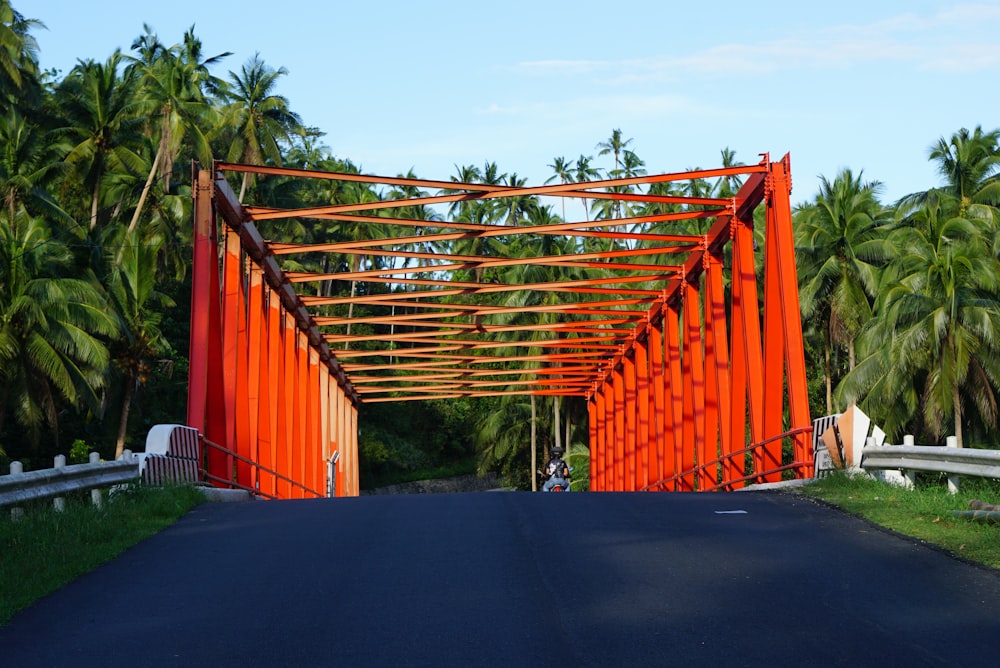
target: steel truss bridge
<point>679,325</point>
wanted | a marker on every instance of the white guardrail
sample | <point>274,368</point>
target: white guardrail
<point>837,441</point>
<point>948,459</point>
<point>20,487</point>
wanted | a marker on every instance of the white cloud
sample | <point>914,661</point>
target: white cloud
<point>960,38</point>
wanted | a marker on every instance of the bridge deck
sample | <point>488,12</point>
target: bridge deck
<point>502,578</point>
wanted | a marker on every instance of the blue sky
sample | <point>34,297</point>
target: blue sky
<point>431,85</point>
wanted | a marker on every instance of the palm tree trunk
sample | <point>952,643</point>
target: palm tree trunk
<point>534,447</point>
<point>123,420</point>
<point>93,202</point>
<point>957,401</point>
<point>568,423</point>
<point>355,265</point>
<point>145,189</point>
<point>555,422</point>
<point>350,313</point>
<point>827,379</point>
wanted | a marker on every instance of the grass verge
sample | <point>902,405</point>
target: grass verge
<point>44,549</point>
<point>923,513</point>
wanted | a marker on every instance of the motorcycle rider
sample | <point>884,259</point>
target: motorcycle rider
<point>556,471</point>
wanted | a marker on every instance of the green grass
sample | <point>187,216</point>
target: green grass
<point>923,513</point>
<point>44,549</point>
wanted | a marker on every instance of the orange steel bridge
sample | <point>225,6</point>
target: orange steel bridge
<point>692,368</point>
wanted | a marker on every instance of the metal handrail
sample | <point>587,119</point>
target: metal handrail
<point>720,460</point>
<point>256,465</point>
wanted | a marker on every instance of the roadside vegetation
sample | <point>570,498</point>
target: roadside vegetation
<point>923,513</point>
<point>44,549</point>
<point>900,300</point>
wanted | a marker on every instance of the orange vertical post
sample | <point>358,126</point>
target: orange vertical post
<point>592,438</point>
<point>206,410</point>
<point>693,362</point>
<point>674,369</point>
<point>747,355</point>
<point>231,307</point>
<point>780,219</point>
<point>631,420</point>
<point>287,408</point>
<point>642,405</point>
<point>242,444</point>
<point>618,484</point>
<point>256,365</point>
<point>299,423</point>
<point>274,383</point>
<point>708,444</point>
<point>312,449</point>
<point>659,424</point>
<point>607,452</point>
<point>717,338</point>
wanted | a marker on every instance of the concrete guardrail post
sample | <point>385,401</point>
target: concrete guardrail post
<point>952,442</point>
<point>16,513</point>
<point>95,494</point>
<point>59,503</point>
<point>911,475</point>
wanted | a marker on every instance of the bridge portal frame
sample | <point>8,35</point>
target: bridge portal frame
<point>671,406</point>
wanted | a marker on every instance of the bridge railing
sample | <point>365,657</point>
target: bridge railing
<point>258,471</point>
<point>737,459</point>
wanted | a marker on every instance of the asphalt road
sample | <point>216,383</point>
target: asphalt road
<point>518,579</point>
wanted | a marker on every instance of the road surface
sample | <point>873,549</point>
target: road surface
<point>519,579</point>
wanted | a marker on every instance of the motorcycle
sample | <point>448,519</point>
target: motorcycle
<point>559,483</point>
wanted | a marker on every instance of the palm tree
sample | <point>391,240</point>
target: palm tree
<point>28,161</point>
<point>50,326</point>
<point>261,120</point>
<point>516,208</point>
<point>615,145</point>
<point>103,121</point>
<point>841,245</point>
<point>562,170</point>
<point>935,337</point>
<point>582,171</point>
<point>728,186</point>
<point>19,85</point>
<point>138,308</point>
<point>173,98</point>
<point>547,245</point>
<point>501,435</point>
<point>463,174</point>
<point>970,163</point>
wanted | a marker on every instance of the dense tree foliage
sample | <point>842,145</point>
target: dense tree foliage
<point>901,301</point>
